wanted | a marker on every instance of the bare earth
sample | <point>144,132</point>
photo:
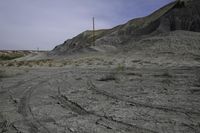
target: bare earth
<point>115,99</point>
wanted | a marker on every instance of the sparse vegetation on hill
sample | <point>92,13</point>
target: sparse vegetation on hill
<point>10,55</point>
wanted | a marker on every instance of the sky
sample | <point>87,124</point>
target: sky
<point>43,24</point>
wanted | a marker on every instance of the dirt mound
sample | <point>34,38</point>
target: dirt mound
<point>177,42</point>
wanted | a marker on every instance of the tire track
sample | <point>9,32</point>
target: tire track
<point>25,109</point>
<point>93,88</point>
<point>18,84</point>
<point>110,122</point>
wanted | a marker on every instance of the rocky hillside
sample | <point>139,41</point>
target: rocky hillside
<point>179,15</point>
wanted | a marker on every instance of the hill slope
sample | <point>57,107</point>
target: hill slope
<point>179,15</point>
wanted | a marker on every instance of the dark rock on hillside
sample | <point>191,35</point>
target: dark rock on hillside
<point>178,15</point>
<point>184,16</point>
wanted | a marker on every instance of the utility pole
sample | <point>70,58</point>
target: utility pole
<point>93,32</point>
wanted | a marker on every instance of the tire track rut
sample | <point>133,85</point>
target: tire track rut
<point>110,122</point>
<point>25,109</point>
<point>93,88</point>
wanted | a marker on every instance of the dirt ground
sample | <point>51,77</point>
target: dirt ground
<point>115,99</point>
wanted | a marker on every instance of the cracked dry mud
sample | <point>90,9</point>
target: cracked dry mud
<point>101,100</point>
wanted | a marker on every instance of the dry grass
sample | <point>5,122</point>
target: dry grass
<point>79,62</point>
<point>10,56</point>
<point>27,63</point>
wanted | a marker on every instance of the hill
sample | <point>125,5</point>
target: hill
<point>178,15</point>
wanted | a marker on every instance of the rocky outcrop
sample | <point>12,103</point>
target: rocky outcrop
<point>184,16</point>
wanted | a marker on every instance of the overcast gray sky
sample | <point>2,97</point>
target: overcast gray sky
<point>28,24</point>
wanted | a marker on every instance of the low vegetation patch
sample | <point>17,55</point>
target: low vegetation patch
<point>10,64</point>
<point>2,74</point>
<point>115,73</point>
<point>120,68</point>
<point>10,56</point>
<point>110,77</point>
<point>31,63</point>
